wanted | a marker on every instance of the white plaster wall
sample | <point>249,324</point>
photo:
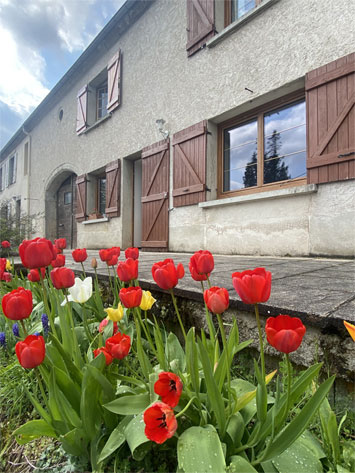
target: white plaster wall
<point>159,81</point>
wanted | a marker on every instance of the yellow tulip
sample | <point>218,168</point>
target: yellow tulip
<point>8,265</point>
<point>351,329</point>
<point>115,314</point>
<point>147,300</point>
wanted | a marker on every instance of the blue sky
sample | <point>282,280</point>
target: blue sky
<point>40,40</point>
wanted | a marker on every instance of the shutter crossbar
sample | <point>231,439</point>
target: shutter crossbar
<point>154,220</point>
<point>188,165</point>
<point>189,190</point>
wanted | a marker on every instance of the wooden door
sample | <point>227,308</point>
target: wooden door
<point>66,225</point>
<point>155,196</point>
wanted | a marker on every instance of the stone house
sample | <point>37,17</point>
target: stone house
<point>225,125</point>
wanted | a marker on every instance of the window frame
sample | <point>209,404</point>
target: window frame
<point>258,114</point>
<point>99,88</point>
<point>13,180</point>
<point>228,12</point>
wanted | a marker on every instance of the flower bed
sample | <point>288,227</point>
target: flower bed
<point>112,380</point>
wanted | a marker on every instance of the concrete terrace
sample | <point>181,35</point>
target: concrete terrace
<point>319,291</point>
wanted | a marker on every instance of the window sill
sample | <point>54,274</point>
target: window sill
<point>275,194</point>
<point>96,220</point>
<point>96,124</point>
<point>236,25</point>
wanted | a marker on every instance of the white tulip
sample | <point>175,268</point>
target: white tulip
<point>81,291</point>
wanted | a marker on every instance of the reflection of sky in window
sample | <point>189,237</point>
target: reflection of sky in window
<point>241,7</point>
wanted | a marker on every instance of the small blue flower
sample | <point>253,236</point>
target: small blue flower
<point>45,324</point>
<point>2,339</point>
<point>16,330</point>
<point>36,333</point>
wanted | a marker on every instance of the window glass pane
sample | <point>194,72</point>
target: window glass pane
<point>102,195</point>
<point>102,101</point>
<point>67,198</point>
<point>285,143</point>
<point>241,7</point>
<point>240,156</point>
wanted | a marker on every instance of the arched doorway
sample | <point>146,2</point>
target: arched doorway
<point>66,224</point>
<point>60,208</point>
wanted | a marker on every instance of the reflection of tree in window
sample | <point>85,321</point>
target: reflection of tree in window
<point>101,205</point>
<point>274,168</point>
<point>250,174</point>
<point>102,101</point>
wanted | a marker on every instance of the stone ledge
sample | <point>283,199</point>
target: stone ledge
<point>276,194</point>
<point>96,220</point>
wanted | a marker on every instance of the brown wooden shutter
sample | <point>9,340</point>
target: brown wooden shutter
<point>81,115</point>
<point>80,197</point>
<point>330,94</point>
<point>190,148</point>
<point>114,82</point>
<point>113,189</point>
<point>200,24</point>
<point>155,196</point>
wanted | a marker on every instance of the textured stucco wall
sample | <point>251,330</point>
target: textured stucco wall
<point>158,81</point>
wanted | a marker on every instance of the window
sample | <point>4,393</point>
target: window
<point>101,101</point>
<point>101,194</point>
<point>67,198</point>
<point>267,148</point>
<point>1,179</point>
<point>96,194</point>
<point>235,9</point>
<point>12,170</point>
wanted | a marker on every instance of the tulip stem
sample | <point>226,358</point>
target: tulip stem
<point>46,305</point>
<point>208,280</point>
<point>289,379</point>
<point>23,327</point>
<point>208,318</point>
<point>82,265</point>
<point>178,314</point>
<point>185,408</point>
<point>225,345</point>
<point>41,388</point>
<point>146,332</point>
<point>260,341</point>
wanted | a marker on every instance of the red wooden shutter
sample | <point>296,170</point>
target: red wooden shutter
<point>81,115</point>
<point>190,148</point>
<point>80,197</point>
<point>200,24</point>
<point>114,82</point>
<point>155,195</point>
<point>113,189</point>
<point>330,94</point>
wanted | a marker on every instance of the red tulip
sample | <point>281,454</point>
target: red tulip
<point>285,333</point>
<point>7,277</point>
<point>60,243</point>
<point>59,261</point>
<point>217,299</point>
<point>253,286</point>
<point>131,296</point>
<point>5,244</point>
<point>116,250</point>
<point>31,351</point>
<point>166,275</point>
<point>201,265</point>
<point>160,422</point>
<point>103,350</point>
<point>119,345</point>
<point>58,251</point>
<point>62,278</point>
<point>17,304</point>
<point>37,253</point>
<point>79,255</point>
<point>34,276</point>
<point>132,253</point>
<point>112,261</point>
<point>104,254</point>
<point>169,387</point>
<point>103,324</point>
<point>127,270</point>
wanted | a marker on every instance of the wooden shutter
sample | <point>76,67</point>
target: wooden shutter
<point>190,148</point>
<point>113,189</point>
<point>200,24</point>
<point>81,114</point>
<point>155,195</point>
<point>80,197</point>
<point>330,93</point>
<point>114,82</point>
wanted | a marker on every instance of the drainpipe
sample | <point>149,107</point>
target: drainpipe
<point>28,170</point>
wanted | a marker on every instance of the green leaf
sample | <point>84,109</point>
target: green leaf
<point>235,429</point>
<point>200,450</point>
<point>73,370</point>
<point>174,351</point>
<point>68,387</point>
<point>330,429</point>
<point>240,465</point>
<point>295,428</point>
<point>32,430</point>
<point>298,458</point>
<point>311,442</point>
<point>214,395</point>
<point>115,440</point>
<point>136,439</point>
<point>75,443</point>
<point>192,360</point>
<point>153,378</point>
<point>109,392</point>
<point>89,404</point>
<point>129,405</point>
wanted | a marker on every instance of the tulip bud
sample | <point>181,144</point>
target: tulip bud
<point>94,263</point>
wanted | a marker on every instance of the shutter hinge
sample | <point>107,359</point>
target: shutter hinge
<point>345,155</point>
<point>207,189</point>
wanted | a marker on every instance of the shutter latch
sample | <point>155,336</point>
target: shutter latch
<point>345,155</point>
